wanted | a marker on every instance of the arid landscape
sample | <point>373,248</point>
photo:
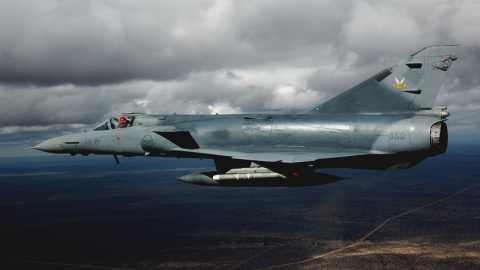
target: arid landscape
<point>88,213</point>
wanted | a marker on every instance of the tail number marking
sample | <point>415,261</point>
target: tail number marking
<point>396,136</point>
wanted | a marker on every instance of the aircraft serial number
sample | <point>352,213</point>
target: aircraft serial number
<point>90,141</point>
<point>396,136</point>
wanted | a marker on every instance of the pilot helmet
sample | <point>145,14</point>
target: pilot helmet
<point>121,120</point>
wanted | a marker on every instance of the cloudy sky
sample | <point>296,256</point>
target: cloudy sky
<point>67,65</point>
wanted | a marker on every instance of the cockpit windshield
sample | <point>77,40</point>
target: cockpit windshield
<point>115,122</point>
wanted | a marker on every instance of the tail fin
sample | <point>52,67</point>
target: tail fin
<point>411,84</point>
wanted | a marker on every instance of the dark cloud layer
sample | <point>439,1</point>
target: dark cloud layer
<point>77,62</point>
<point>104,42</point>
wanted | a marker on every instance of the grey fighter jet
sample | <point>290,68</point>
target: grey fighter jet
<point>387,122</point>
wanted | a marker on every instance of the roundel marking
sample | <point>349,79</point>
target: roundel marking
<point>147,141</point>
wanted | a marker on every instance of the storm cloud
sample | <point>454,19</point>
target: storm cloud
<point>66,65</point>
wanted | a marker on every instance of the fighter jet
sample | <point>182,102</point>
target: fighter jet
<point>387,122</point>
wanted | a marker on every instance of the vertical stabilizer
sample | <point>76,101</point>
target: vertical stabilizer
<point>411,84</point>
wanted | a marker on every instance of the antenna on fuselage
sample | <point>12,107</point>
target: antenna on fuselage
<point>116,159</point>
<point>127,113</point>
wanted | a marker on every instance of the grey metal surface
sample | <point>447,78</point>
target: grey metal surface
<point>384,123</point>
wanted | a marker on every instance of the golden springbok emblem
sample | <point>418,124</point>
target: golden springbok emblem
<point>399,84</point>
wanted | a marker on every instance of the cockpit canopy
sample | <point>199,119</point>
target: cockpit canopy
<point>115,122</point>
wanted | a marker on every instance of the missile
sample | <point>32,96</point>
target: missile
<point>247,174</point>
<point>241,174</point>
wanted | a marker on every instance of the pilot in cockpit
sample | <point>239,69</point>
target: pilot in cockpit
<point>124,122</point>
<point>116,122</point>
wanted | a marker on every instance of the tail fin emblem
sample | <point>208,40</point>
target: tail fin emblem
<point>399,84</point>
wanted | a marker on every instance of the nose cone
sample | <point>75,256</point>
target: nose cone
<point>53,145</point>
